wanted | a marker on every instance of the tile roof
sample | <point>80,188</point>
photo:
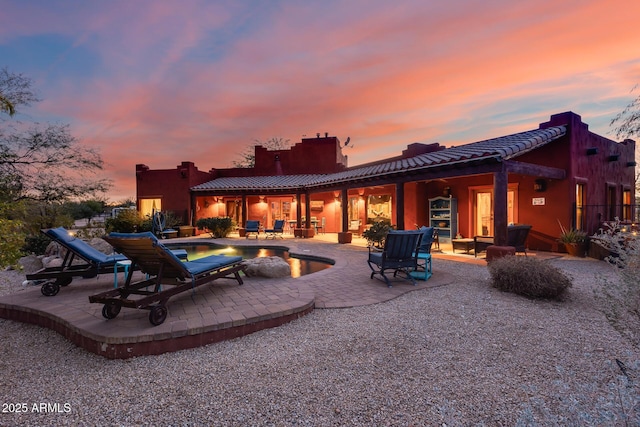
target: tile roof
<point>496,149</point>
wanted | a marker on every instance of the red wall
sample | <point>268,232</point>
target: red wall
<point>171,186</point>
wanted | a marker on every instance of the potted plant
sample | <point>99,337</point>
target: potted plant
<point>377,233</point>
<point>575,241</point>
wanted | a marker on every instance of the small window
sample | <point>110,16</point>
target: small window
<point>627,214</point>
<point>580,203</point>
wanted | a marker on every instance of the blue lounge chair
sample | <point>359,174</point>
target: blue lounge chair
<point>252,227</point>
<point>398,255</point>
<point>81,260</point>
<point>276,231</point>
<point>166,274</point>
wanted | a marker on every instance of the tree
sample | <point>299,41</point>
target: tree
<point>627,123</point>
<point>42,162</point>
<point>41,167</point>
<point>85,209</point>
<point>15,90</point>
<point>248,156</point>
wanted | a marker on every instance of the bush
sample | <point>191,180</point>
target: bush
<point>11,242</point>
<point>36,244</point>
<point>218,227</point>
<point>529,277</point>
<point>127,221</point>
<point>621,298</point>
<point>377,234</point>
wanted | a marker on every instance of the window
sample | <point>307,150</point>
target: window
<point>580,203</point>
<point>611,203</point>
<point>379,209</point>
<point>626,205</point>
<point>149,206</point>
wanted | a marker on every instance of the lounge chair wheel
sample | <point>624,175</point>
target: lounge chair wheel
<point>110,310</point>
<point>49,289</point>
<point>157,315</point>
<point>64,281</point>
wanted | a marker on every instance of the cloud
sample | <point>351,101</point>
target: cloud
<point>163,82</point>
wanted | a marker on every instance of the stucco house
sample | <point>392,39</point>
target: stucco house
<point>559,173</point>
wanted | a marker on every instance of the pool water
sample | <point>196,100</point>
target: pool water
<point>300,266</point>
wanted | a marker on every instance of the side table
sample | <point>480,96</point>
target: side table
<point>125,264</point>
<point>462,244</point>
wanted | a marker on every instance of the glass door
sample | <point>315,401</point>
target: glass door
<point>483,211</point>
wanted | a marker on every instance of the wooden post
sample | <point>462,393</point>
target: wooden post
<point>400,206</point>
<point>345,210</point>
<point>500,218</point>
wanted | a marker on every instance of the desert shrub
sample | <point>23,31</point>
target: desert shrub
<point>620,295</point>
<point>377,233</point>
<point>529,277</point>
<point>36,244</point>
<point>218,226</point>
<point>11,242</point>
<point>88,233</point>
<point>127,221</point>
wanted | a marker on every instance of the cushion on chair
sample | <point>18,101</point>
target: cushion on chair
<point>427,239</point>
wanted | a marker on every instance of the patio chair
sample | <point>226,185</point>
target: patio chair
<point>166,275</point>
<point>276,231</point>
<point>322,226</point>
<point>398,255</point>
<point>252,227</point>
<point>516,237</point>
<point>424,270</point>
<point>80,260</point>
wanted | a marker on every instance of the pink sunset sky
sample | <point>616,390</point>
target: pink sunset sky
<point>161,82</point>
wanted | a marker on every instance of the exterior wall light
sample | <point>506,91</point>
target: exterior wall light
<point>540,185</point>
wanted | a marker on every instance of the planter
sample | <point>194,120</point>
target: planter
<point>186,231</point>
<point>576,249</point>
<point>297,232</point>
<point>242,232</point>
<point>169,234</point>
<point>308,233</point>
<point>344,237</point>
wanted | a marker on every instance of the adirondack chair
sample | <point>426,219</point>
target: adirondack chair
<point>399,255</point>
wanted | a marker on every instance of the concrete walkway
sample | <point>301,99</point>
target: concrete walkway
<point>219,311</point>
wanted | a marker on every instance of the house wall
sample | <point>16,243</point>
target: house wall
<point>611,165</point>
<point>171,186</point>
<point>311,155</point>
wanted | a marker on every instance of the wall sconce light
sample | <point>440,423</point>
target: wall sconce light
<point>540,185</point>
<point>261,199</point>
<point>592,151</point>
<point>613,157</point>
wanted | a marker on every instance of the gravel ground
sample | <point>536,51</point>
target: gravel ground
<point>462,354</point>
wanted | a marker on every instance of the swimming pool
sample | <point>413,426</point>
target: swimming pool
<point>301,265</point>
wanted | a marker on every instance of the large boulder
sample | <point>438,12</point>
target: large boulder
<point>101,245</point>
<point>30,263</point>
<point>271,266</point>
